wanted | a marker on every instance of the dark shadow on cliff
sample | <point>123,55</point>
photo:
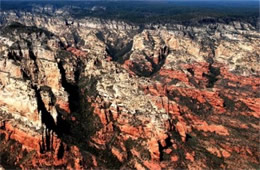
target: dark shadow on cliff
<point>141,69</point>
<point>61,126</point>
<point>71,89</point>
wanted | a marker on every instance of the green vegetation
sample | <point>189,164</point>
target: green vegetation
<point>15,26</point>
<point>141,12</point>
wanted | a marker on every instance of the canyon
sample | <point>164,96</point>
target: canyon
<point>99,93</point>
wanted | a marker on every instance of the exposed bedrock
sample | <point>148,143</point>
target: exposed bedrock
<point>80,96</point>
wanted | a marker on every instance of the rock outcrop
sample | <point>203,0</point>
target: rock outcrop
<point>93,93</point>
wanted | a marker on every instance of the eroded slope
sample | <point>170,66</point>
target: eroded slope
<point>183,98</point>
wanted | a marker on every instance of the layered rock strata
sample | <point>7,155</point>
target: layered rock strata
<point>84,95</point>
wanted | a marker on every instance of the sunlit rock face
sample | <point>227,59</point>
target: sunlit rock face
<point>94,93</point>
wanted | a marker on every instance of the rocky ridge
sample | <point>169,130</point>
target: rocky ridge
<point>110,95</point>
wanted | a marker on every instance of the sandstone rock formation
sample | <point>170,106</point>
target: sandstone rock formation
<point>93,93</point>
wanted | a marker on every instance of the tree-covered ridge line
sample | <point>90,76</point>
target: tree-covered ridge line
<point>148,12</point>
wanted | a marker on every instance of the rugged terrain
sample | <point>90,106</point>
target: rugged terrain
<point>95,93</point>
